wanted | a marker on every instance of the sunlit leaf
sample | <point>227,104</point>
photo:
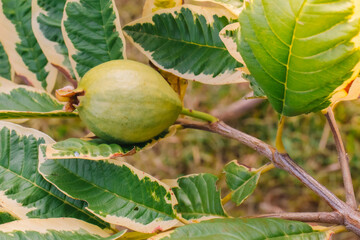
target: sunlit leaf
<point>245,229</point>
<point>25,54</point>
<point>92,34</point>
<point>23,191</point>
<point>198,197</point>
<point>301,52</point>
<point>19,101</point>
<point>115,191</point>
<point>185,41</point>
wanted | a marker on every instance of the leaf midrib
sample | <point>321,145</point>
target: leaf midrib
<point>290,54</point>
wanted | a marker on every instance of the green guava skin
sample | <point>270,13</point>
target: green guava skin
<point>127,102</point>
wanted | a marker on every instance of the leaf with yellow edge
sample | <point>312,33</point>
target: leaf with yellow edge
<point>151,6</point>
<point>24,52</point>
<point>54,228</point>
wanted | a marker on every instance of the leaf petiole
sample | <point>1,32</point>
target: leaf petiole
<point>199,115</point>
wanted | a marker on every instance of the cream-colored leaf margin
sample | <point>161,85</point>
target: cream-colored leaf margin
<point>235,10</point>
<point>151,6</point>
<point>53,153</point>
<point>343,94</point>
<point>224,78</point>
<point>70,46</point>
<point>48,47</point>
<point>122,221</point>
<point>12,206</point>
<point>9,38</point>
<point>56,224</point>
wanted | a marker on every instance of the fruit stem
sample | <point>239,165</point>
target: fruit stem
<point>199,115</point>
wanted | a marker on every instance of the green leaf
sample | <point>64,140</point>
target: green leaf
<point>185,41</point>
<point>54,229</point>
<point>258,92</point>
<point>115,191</point>
<point>46,23</point>
<point>92,33</point>
<point>19,101</point>
<point>241,180</point>
<point>98,149</point>
<point>300,52</point>
<point>5,68</point>
<point>198,197</point>
<point>6,217</point>
<point>245,229</point>
<point>234,6</point>
<point>25,54</point>
<point>136,236</point>
<point>23,191</point>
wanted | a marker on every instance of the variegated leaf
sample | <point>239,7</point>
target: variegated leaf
<point>25,54</point>
<point>151,6</point>
<point>54,229</point>
<point>5,68</point>
<point>234,6</point>
<point>23,191</point>
<point>241,180</point>
<point>230,35</point>
<point>98,149</point>
<point>19,101</point>
<point>185,41</point>
<point>115,191</point>
<point>46,23</point>
<point>92,34</point>
<point>198,197</point>
<point>246,229</point>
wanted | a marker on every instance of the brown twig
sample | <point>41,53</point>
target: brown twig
<point>318,217</point>
<point>343,159</point>
<point>283,161</point>
<point>237,109</point>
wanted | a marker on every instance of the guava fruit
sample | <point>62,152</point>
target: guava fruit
<point>126,102</point>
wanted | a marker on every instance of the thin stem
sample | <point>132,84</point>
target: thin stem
<point>199,115</point>
<point>279,143</point>
<point>283,161</point>
<point>337,229</point>
<point>318,217</point>
<point>343,159</point>
<point>265,168</point>
<point>227,198</point>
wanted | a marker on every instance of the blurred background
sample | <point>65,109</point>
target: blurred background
<point>307,139</point>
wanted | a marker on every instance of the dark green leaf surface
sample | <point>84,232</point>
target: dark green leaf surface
<point>100,149</point>
<point>241,181</point>
<point>185,41</point>
<point>94,34</point>
<point>246,229</point>
<point>300,51</point>
<point>198,197</point>
<point>19,13</point>
<point>19,101</point>
<point>115,191</point>
<point>20,180</point>
<point>6,217</point>
<point>5,69</point>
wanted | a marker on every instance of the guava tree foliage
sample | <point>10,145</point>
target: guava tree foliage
<point>302,55</point>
